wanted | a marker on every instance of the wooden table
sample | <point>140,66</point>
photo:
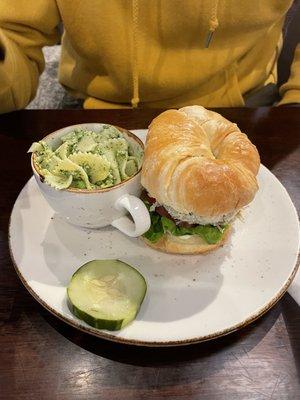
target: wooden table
<point>43,358</point>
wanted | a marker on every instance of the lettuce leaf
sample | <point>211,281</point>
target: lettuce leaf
<point>210,233</point>
<point>161,225</point>
<point>156,230</point>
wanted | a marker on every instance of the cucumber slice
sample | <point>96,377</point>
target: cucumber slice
<point>106,294</point>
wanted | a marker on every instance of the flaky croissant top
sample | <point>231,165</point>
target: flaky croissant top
<point>198,162</point>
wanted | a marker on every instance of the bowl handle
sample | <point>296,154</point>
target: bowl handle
<point>139,213</point>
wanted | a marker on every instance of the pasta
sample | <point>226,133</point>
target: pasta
<point>97,166</point>
<point>58,182</point>
<point>87,159</point>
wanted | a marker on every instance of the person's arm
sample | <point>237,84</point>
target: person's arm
<point>290,91</point>
<point>25,27</point>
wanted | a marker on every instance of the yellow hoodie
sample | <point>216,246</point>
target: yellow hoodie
<point>151,53</point>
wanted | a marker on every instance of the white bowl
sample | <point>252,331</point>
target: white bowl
<point>100,207</point>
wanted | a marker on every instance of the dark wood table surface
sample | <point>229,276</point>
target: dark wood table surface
<point>43,358</point>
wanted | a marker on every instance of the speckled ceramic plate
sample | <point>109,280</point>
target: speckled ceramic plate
<point>190,298</point>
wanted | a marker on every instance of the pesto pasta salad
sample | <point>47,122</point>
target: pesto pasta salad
<point>88,160</point>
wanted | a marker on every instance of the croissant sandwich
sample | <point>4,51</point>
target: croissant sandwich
<point>199,170</point>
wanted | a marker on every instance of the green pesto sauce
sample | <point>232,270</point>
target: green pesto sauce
<point>88,160</point>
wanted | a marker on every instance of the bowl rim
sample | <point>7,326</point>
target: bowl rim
<point>87,191</point>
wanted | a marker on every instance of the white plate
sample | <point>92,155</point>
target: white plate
<point>189,298</point>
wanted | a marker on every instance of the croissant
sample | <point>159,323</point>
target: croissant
<point>201,168</point>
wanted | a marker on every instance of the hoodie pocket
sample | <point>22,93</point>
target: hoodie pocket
<point>222,90</point>
<point>235,97</point>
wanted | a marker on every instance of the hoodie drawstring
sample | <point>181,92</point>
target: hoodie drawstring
<point>213,23</point>
<point>134,54</point>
